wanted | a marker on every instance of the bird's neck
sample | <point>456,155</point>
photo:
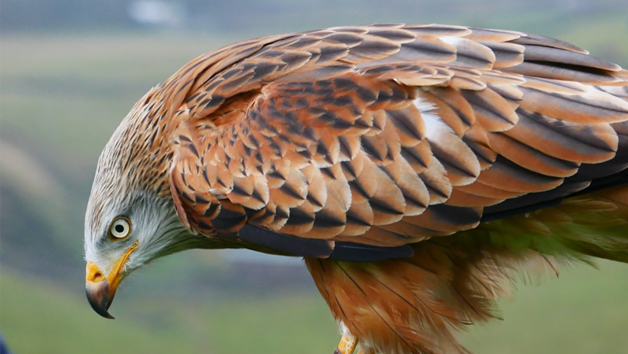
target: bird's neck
<point>142,144</point>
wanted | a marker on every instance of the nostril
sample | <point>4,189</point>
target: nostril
<point>93,274</point>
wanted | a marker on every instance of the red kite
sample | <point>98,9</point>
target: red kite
<point>415,168</point>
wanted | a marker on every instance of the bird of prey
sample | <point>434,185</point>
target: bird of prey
<point>415,168</point>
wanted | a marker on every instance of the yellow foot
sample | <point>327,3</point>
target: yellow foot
<point>347,344</point>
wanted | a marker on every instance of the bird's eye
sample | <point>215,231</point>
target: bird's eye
<point>120,228</point>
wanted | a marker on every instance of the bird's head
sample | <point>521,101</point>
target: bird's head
<point>130,218</point>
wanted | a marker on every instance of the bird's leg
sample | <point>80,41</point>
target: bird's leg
<point>347,344</point>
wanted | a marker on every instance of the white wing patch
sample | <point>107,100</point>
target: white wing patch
<point>435,128</point>
<point>460,162</point>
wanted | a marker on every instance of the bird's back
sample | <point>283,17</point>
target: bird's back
<point>390,135</point>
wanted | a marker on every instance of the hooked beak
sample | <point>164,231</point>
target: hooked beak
<point>100,290</point>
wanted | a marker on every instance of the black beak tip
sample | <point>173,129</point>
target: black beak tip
<point>99,299</point>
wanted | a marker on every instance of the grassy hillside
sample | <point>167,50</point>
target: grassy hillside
<point>582,312</point>
<point>38,316</point>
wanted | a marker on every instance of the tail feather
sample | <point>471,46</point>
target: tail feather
<point>416,305</point>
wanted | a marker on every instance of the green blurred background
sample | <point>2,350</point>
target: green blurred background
<point>70,70</point>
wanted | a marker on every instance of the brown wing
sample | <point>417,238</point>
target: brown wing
<point>388,135</point>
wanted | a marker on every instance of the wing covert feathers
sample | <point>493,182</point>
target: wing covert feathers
<point>358,133</point>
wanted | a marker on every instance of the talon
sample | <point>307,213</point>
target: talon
<point>347,344</point>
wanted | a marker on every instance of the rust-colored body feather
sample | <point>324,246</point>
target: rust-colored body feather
<point>418,304</point>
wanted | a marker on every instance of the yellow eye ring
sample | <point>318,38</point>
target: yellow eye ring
<point>120,228</point>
